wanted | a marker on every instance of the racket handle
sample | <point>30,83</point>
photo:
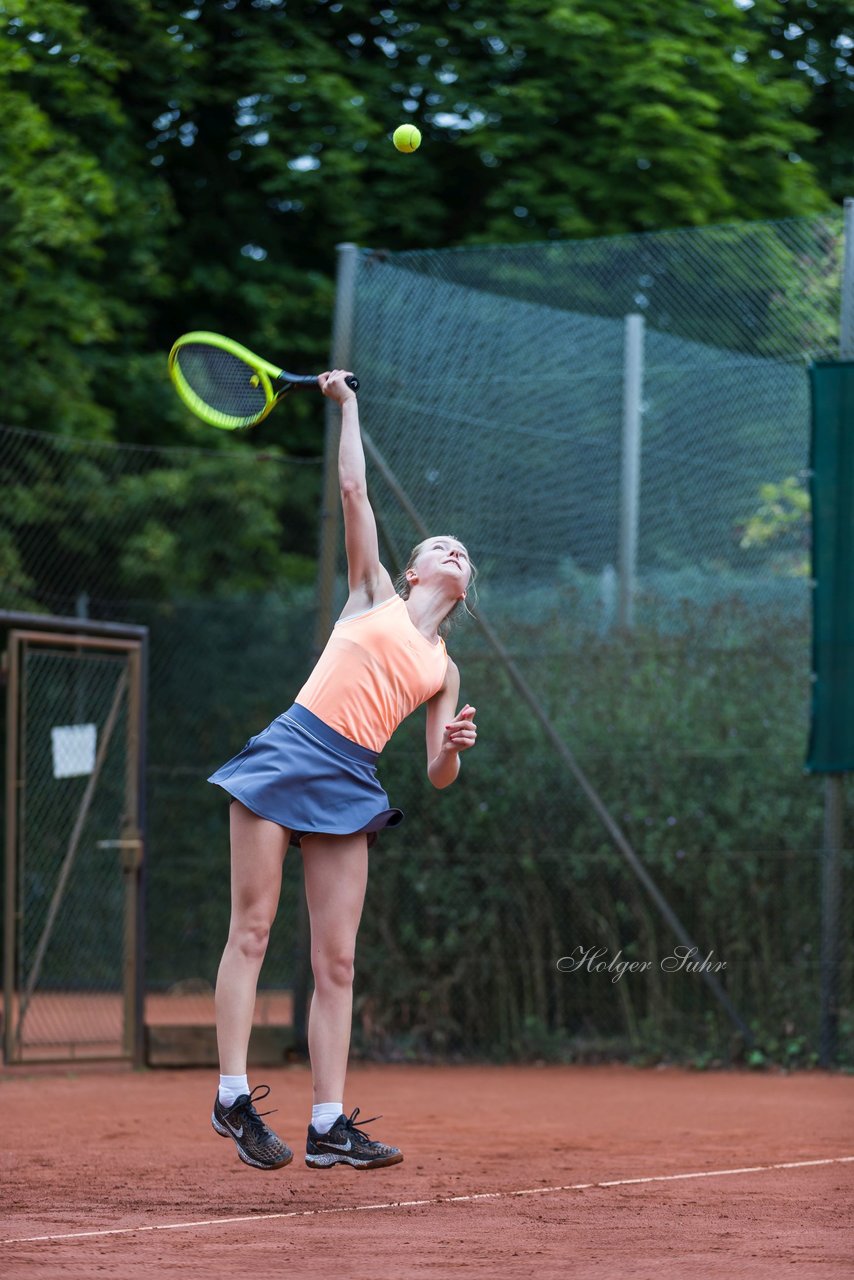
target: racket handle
<point>352,382</point>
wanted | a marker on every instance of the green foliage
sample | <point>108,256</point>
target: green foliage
<point>154,527</point>
<point>783,516</point>
<point>812,41</point>
<point>167,167</point>
<point>17,583</point>
<point>82,215</point>
<point>695,742</point>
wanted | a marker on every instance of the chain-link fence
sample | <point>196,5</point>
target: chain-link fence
<point>493,382</point>
<point>70,892</point>
<point>212,552</point>
<point>495,389</point>
<point>641,525</point>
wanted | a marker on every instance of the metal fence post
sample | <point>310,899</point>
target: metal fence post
<point>11,914</point>
<point>630,468</point>
<point>342,342</point>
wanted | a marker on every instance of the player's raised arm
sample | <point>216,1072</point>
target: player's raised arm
<point>368,580</point>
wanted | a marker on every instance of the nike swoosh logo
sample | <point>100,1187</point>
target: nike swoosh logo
<point>238,1133</point>
<point>339,1146</point>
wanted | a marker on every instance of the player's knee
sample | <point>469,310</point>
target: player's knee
<point>251,938</point>
<point>333,969</point>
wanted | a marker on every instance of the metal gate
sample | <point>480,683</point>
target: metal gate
<point>74,850</point>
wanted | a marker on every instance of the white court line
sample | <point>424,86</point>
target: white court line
<point>407,1204</point>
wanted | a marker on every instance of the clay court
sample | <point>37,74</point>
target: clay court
<point>604,1172</point>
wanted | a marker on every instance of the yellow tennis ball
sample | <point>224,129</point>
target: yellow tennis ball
<point>406,137</point>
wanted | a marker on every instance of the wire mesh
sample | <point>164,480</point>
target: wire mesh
<point>70,951</point>
<point>492,383</point>
<point>494,390</point>
<point>104,531</point>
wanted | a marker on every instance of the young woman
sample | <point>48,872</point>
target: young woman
<point>309,779</point>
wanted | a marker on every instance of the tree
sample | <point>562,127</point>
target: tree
<point>83,221</point>
<point>125,526</point>
<point>171,167</point>
<point>813,41</point>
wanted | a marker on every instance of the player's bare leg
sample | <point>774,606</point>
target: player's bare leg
<point>257,853</point>
<point>336,874</point>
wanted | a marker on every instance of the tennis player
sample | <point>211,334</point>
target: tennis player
<point>309,779</point>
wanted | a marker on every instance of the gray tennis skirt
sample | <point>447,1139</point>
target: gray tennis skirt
<point>309,778</point>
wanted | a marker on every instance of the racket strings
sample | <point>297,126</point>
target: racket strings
<point>222,381</point>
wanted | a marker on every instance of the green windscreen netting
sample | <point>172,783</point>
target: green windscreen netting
<point>831,747</point>
<point>492,383</point>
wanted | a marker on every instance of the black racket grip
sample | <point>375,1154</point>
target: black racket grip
<point>352,381</point>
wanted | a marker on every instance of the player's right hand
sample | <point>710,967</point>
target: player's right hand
<point>332,384</point>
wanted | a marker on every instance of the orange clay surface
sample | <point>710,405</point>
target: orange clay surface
<point>505,1174</point>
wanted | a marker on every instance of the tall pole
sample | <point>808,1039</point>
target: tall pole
<point>342,345</point>
<point>834,794</point>
<point>12,919</point>
<point>327,557</point>
<point>846,328</point>
<point>630,470</point>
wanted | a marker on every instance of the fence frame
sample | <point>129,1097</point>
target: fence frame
<point>132,640</point>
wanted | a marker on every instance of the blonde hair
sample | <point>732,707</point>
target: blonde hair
<point>452,617</point>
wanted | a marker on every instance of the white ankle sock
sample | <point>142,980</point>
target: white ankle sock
<point>324,1115</point>
<point>231,1087</point>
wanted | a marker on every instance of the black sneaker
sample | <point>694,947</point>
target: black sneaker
<point>345,1144</point>
<point>256,1143</point>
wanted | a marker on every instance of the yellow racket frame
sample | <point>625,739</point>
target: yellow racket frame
<point>265,372</point>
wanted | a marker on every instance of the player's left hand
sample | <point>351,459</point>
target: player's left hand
<point>461,733</point>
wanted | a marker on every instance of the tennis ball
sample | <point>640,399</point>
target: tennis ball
<point>406,137</point>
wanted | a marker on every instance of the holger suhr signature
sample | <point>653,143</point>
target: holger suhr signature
<point>596,960</point>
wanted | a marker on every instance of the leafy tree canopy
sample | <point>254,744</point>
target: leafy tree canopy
<point>167,166</point>
<point>813,40</point>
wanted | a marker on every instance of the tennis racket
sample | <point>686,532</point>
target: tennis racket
<point>228,386</point>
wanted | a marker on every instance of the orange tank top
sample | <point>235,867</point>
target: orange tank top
<point>376,668</point>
